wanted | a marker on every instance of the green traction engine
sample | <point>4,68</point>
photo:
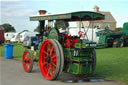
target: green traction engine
<point>59,51</point>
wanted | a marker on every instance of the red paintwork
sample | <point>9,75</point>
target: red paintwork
<point>47,68</point>
<point>73,41</point>
<point>81,34</point>
<point>27,64</point>
<point>1,35</point>
<point>69,42</point>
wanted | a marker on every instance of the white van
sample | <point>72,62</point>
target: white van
<point>24,34</point>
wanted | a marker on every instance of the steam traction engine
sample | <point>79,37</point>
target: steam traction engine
<point>59,51</point>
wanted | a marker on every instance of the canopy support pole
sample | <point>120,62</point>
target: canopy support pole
<point>42,24</point>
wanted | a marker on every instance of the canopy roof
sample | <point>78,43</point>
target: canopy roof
<point>72,16</point>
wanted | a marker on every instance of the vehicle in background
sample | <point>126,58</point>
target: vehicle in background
<point>110,38</point>
<point>103,37</point>
<point>1,36</point>
<point>16,36</point>
<point>30,41</point>
<point>24,34</point>
<point>8,36</point>
<point>125,36</point>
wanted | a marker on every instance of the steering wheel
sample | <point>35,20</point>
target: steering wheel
<point>81,34</point>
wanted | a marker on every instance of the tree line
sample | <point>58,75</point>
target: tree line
<point>58,25</point>
<point>7,28</point>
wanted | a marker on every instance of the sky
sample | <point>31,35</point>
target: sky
<point>17,12</point>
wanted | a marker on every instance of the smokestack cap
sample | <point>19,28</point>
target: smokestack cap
<point>41,12</point>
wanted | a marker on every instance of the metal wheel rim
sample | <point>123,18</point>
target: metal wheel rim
<point>26,61</point>
<point>49,68</point>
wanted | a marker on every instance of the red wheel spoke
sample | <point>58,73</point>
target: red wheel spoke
<point>52,71</point>
<point>28,66</point>
<point>47,66</point>
<point>27,63</point>
<point>45,63</point>
<point>53,56</point>
<point>45,52</point>
<point>29,60</point>
<point>25,59</point>
<point>54,64</point>
<point>50,67</point>
<point>49,46</point>
<point>51,50</point>
<point>48,72</point>
<point>48,50</point>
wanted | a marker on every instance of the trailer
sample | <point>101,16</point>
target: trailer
<point>125,36</point>
<point>8,36</point>
<point>59,51</point>
<point>110,38</point>
<point>1,36</point>
<point>25,34</point>
<point>16,36</point>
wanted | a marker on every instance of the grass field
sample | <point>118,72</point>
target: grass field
<point>17,50</point>
<point>112,63</point>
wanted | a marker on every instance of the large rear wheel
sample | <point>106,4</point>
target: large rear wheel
<point>93,56</point>
<point>61,55</point>
<point>49,59</point>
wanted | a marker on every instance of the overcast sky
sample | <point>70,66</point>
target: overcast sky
<point>17,12</point>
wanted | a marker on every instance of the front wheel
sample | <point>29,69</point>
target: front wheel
<point>27,61</point>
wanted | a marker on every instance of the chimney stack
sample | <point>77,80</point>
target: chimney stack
<point>42,12</point>
<point>96,8</point>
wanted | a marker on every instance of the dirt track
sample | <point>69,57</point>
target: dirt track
<point>12,73</point>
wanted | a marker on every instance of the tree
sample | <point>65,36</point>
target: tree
<point>37,29</point>
<point>8,28</point>
<point>61,24</point>
<point>119,29</point>
<point>58,25</point>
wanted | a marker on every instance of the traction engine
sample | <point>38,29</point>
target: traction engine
<point>59,51</point>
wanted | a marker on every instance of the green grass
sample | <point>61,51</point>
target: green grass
<point>112,63</point>
<point>17,50</point>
